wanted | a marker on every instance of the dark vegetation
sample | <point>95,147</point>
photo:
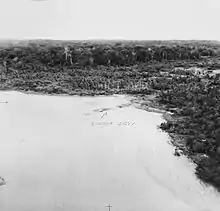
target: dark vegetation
<point>139,68</point>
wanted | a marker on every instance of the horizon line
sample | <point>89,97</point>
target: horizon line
<point>105,39</point>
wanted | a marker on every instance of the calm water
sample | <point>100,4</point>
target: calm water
<point>82,153</point>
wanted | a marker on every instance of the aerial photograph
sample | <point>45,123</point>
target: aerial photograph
<point>109,105</point>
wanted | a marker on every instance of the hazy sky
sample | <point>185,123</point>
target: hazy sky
<point>124,19</point>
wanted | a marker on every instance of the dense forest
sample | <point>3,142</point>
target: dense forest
<point>83,54</point>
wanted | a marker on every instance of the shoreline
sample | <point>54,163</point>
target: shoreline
<point>145,102</point>
<point>172,80</point>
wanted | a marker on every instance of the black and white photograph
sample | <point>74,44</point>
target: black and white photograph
<point>109,105</point>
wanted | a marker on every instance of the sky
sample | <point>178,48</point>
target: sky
<point>110,19</point>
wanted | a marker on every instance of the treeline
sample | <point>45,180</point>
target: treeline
<point>195,103</point>
<point>92,54</point>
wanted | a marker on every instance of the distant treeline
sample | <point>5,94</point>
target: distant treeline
<point>108,54</point>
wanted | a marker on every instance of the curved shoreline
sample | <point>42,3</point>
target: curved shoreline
<point>178,90</point>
